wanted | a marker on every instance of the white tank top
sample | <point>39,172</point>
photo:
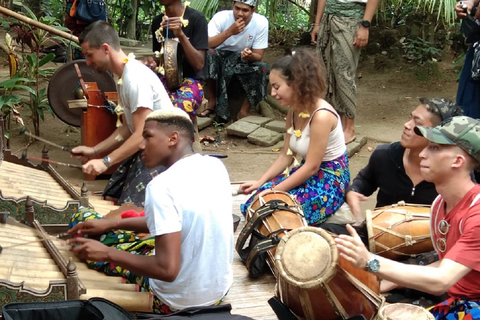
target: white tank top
<point>336,140</point>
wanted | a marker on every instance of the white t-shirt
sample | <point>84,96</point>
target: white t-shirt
<point>141,87</point>
<point>197,202</point>
<point>254,36</point>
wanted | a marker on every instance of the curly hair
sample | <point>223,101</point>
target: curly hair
<point>305,74</point>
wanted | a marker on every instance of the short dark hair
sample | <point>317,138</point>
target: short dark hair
<point>98,33</point>
<point>173,117</point>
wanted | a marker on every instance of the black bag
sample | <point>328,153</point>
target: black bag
<point>470,29</point>
<point>93,309</point>
<point>198,313</point>
<point>91,10</point>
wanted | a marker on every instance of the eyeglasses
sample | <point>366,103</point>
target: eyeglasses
<point>443,227</point>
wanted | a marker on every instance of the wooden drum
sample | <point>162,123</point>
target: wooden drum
<point>403,311</point>
<point>287,215</point>
<point>316,283</point>
<point>399,231</point>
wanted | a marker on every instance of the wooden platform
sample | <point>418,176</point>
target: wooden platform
<point>249,296</point>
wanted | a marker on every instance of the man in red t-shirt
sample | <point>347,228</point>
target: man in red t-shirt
<point>452,153</point>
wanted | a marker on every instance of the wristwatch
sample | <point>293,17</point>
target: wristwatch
<point>365,23</point>
<point>106,161</point>
<point>373,265</point>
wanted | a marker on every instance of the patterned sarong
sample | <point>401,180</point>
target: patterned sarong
<point>335,47</point>
<point>456,309</point>
<point>321,195</point>
<point>129,182</point>
<point>253,77</point>
<point>188,97</point>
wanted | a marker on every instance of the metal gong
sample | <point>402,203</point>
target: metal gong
<point>65,85</point>
<point>173,64</point>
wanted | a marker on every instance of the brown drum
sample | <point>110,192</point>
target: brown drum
<point>404,311</point>
<point>399,231</point>
<point>287,215</point>
<point>315,283</point>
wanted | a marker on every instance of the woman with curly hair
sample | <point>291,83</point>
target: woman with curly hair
<point>314,132</point>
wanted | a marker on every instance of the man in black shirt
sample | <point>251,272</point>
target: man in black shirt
<point>180,22</point>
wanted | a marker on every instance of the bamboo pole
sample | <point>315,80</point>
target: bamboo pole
<point>38,24</point>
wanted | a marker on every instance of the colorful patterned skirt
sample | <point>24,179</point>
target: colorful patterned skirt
<point>321,195</point>
<point>456,309</point>
<point>188,96</point>
<point>253,77</point>
<point>125,241</point>
<point>129,182</point>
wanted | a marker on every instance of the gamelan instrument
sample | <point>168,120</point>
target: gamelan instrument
<point>75,81</point>
<point>46,270</point>
<point>399,231</point>
<point>273,214</point>
<point>403,311</point>
<point>316,283</point>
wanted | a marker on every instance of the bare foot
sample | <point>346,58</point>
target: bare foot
<point>349,130</point>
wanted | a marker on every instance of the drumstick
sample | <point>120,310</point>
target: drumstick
<point>56,162</point>
<point>53,144</point>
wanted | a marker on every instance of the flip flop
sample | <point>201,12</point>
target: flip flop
<point>354,138</point>
<point>206,113</point>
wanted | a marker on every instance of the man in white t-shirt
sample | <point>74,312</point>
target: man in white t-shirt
<point>192,262</point>
<point>139,93</point>
<point>237,38</point>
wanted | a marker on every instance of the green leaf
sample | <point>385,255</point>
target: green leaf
<point>49,57</point>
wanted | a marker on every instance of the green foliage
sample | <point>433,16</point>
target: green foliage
<point>207,7</point>
<point>420,50</point>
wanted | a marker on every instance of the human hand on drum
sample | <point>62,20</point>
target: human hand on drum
<point>94,227</point>
<point>83,153</point>
<point>353,200</point>
<point>248,187</point>
<point>173,23</point>
<point>352,249</point>
<point>89,249</point>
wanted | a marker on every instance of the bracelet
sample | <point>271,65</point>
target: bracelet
<point>94,151</point>
<point>316,24</point>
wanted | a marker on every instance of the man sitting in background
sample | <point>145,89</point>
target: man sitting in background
<point>238,39</point>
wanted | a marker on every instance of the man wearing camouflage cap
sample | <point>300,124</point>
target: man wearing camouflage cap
<point>453,151</point>
<point>237,38</point>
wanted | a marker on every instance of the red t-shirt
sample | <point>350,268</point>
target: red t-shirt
<point>463,240</point>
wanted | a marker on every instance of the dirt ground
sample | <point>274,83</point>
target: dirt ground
<point>385,100</point>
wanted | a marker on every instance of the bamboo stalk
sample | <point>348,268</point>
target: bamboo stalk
<point>38,24</point>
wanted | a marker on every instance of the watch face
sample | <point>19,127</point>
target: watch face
<point>366,23</point>
<point>373,265</point>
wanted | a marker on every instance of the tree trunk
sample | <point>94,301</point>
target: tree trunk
<point>132,22</point>
<point>313,11</point>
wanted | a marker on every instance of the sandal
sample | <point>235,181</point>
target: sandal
<point>206,113</point>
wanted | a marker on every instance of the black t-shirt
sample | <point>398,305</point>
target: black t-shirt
<point>197,33</point>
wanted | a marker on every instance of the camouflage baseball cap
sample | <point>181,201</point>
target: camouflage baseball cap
<point>461,131</point>
<point>251,3</point>
<point>443,107</point>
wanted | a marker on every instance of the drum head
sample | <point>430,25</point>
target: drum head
<point>404,311</point>
<point>65,82</point>
<point>306,257</point>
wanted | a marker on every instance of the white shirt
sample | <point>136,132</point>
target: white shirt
<point>198,203</point>
<point>254,36</point>
<point>141,87</point>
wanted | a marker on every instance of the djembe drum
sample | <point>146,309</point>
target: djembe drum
<point>316,283</point>
<point>272,214</point>
<point>403,311</point>
<point>399,231</point>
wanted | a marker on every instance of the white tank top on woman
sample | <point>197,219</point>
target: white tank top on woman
<point>336,140</point>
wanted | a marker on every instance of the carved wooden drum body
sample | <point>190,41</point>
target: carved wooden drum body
<point>403,311</point>
<point>399,231</point>
<point>315,283</point>
<point>287,214</point>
